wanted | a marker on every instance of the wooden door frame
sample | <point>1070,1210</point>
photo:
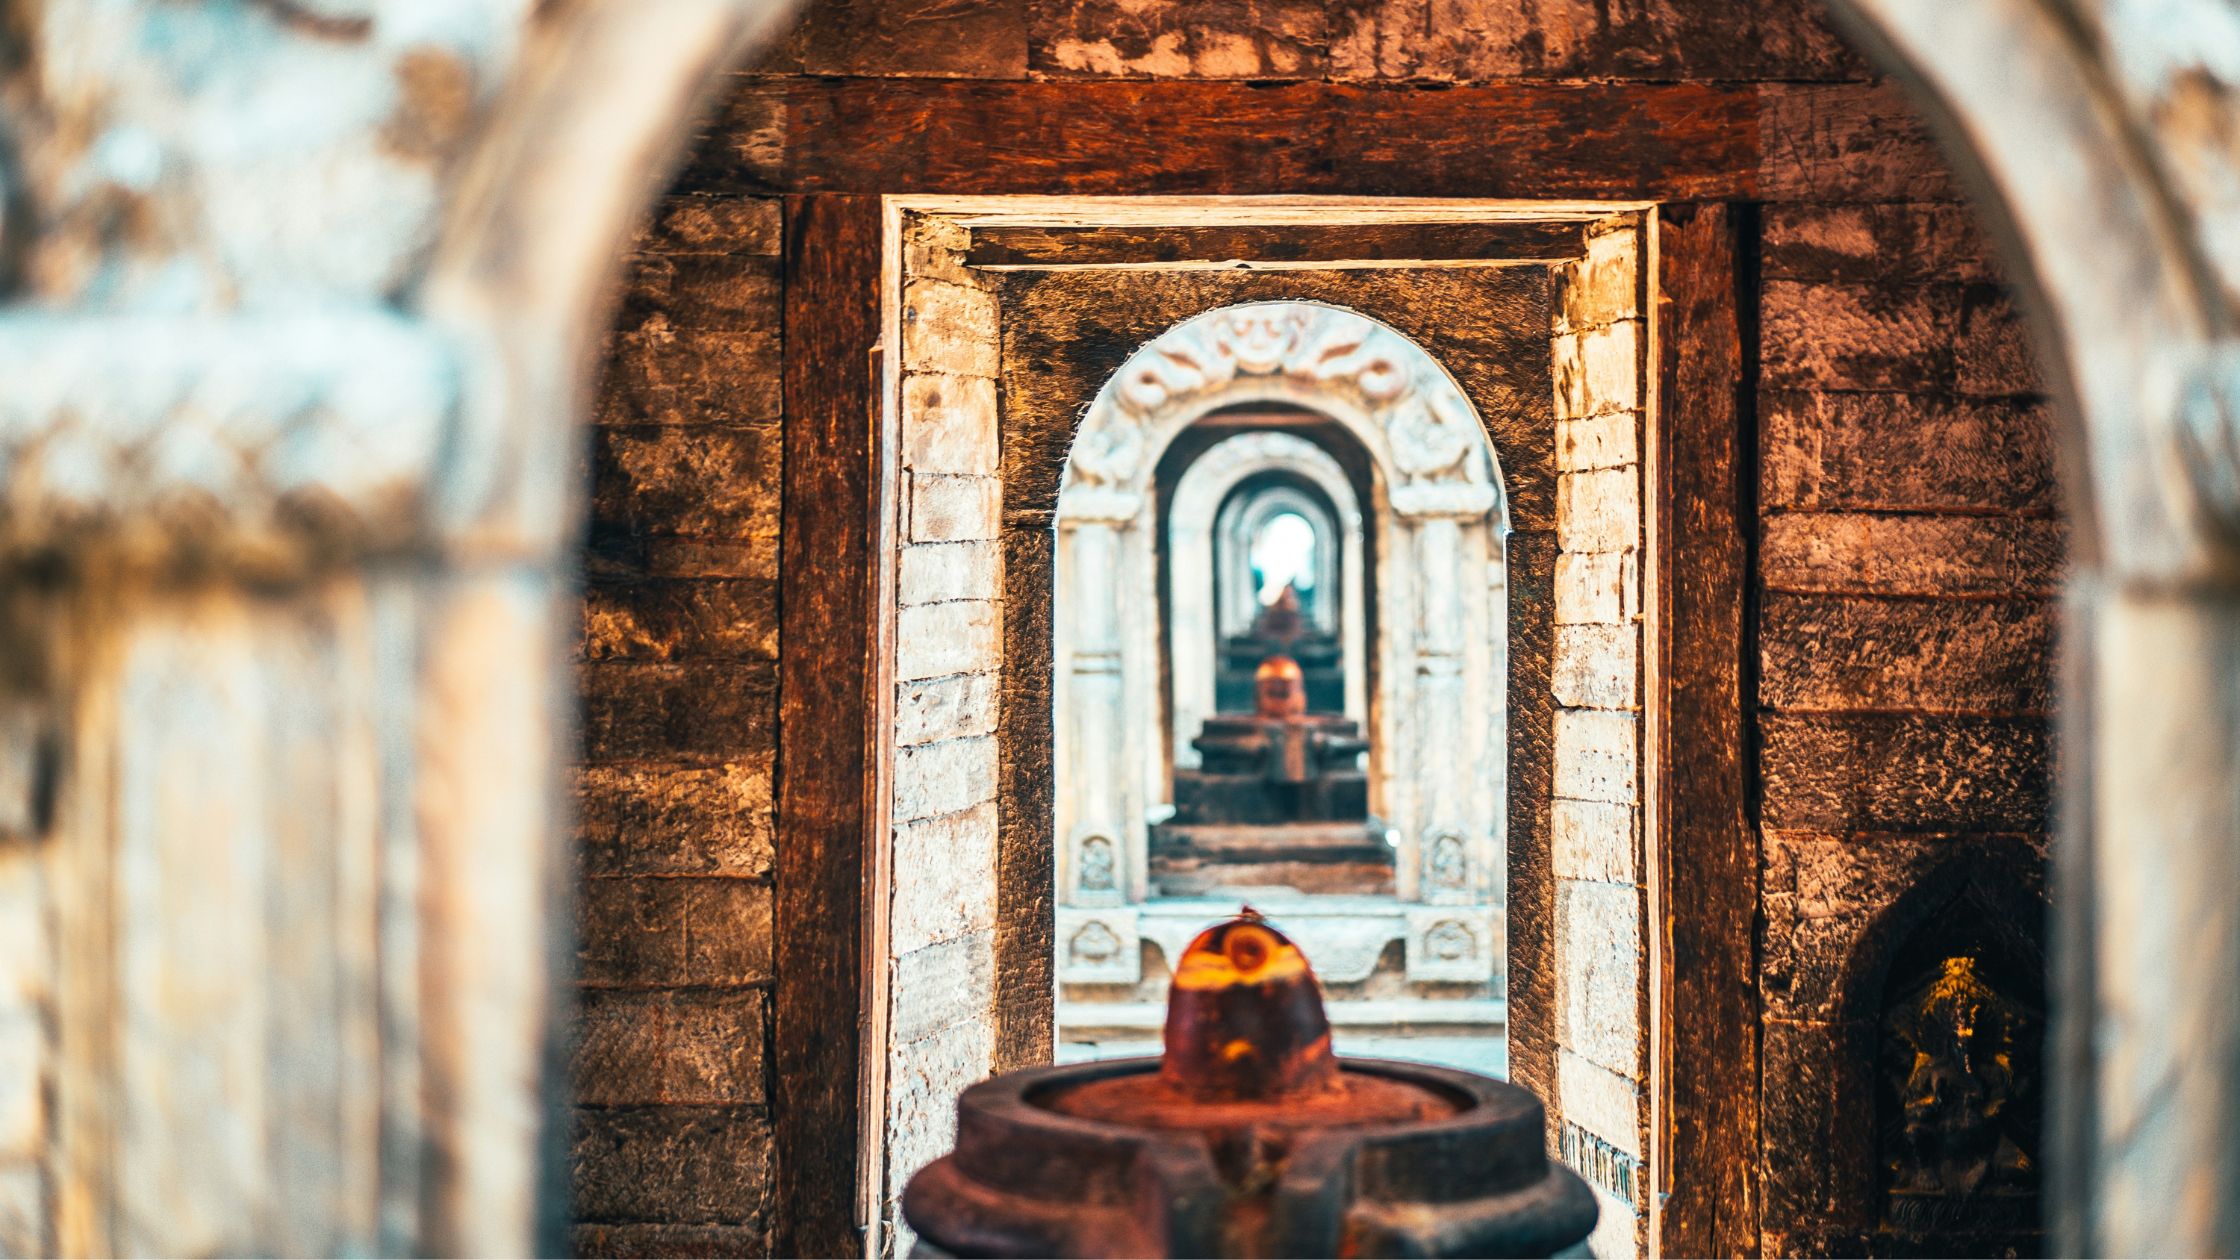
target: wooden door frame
<point>826,792</point>
<point>1702,708</point>
<point>1697,617</point>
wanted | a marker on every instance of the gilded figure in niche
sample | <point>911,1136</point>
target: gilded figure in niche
<point>1957,1053</point>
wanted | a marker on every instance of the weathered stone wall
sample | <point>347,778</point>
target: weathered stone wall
<point>1598,352</point>
<point>941,939</point>
<point>1407,41</point>
<point>672,1150</point>
<point>1910,553</point>
<point>1907,548</point>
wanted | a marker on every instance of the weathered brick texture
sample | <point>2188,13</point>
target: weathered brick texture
<point>673,1165</point>
<point>1906,641</point>
<point>678,682</point>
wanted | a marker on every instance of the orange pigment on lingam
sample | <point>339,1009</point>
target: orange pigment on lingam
<point>1248,1044</point>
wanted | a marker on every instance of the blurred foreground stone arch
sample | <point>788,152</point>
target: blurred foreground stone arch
<point>301,302</point>
<point>2102,140</point>
<point>288,506</point>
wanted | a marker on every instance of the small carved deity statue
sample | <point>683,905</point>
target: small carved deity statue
<point>1097,862</point>
<point>1449,866</point>
<point>1954,1045</point>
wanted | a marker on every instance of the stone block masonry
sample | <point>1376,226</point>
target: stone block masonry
<point>941,903</point>
<point>1905,627</point>
<point>671,1151</point>
<point>1598,350</point>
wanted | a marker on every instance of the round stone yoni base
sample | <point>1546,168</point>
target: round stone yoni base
<point>1247,1138</point>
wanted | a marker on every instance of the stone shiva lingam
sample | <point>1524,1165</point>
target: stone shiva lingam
<point>1277,764</point>
<point>1248,1137</point>
<point>1279,800</point>
<point>1281,628</point>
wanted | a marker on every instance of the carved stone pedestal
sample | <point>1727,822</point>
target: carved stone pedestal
<point>1308,857</point>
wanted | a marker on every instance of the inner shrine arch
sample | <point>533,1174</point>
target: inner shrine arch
<point>1213,514</point>
<point>1439,505</point>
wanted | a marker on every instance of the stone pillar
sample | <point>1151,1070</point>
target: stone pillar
<point>1448,856</point>
<point>1442,842</point>
<point>1196,617</point>
<point>1101,811</point>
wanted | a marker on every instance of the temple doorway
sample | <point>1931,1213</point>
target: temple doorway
<point>1289,553</point>
<point>1280,657</point>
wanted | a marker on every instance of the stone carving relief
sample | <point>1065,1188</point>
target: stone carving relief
<point>1446,865</point>
<point>1454,943</point>
<point>2103,131</point>
<point>1099,946</point>
<point>1097,865</point>
<point>1297,349</point>
<point>1108,453</point>
<point>1429,438</point>
<point>1094,945</point>
<point>1450,941</point>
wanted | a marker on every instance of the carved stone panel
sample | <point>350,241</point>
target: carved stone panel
<point>1455,943</point>
<point>1099,947</point>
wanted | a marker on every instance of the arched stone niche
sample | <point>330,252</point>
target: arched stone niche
<point>1213,515</point>
<point>1865,1008</point>
<point>1249,510</point>
<point>1959,1076</point>
<point>1439,780</point>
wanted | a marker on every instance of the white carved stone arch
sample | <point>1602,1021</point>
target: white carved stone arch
<point>1238,524</point>
<point>1441,779</point>
<point>1199,613</point>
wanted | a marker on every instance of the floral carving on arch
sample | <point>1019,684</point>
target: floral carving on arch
<point>1397,400</point>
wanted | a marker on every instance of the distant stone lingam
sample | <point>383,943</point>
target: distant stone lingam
<point>1279,798</point>
<point>1248,1137</point>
